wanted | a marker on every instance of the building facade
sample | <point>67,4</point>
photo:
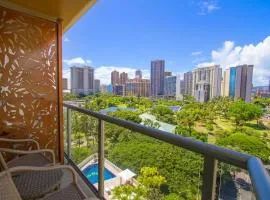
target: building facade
<point>118,90</point>
<point>110,88</point>
<point>138,87</point>
<point>188,83</point>
<point>180,88</point>
<point>115,79</point>
<point>225,83</point>
<point>97,85</point>
<point>206,83</point>
<point>82,80</point>
<point>240,82</point>
<point>138,74</point>
<point>157,78</point>
<point>170,86</point>
<point>65,83</point>
<point>123,78</point>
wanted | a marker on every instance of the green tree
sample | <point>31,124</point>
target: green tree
<point>179,167</point>
<point>188,116</point>
<point>263,102</point>
<point>127,115</point>
<point>245,143</point>
<point>148,188</point>
<point>242,112</point>
<point>150,123</point>
<point>151,180</point>
<point>70,97</point>
<point>164,113</point>
<point>129,192</point>
<point>80,153</point>
<point>180,130</point>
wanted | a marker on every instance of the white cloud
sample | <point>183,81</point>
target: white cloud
<point>256,54</point>
<point>79,61</point>
<point>208,6</point>
<point>66,39</point>
<point>196,53</point>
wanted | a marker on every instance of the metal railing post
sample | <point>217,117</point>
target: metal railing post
<point>209,178</point>
<point>69,132</point>
<point>101,158</point>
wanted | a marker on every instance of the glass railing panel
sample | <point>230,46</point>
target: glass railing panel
<point>233,183</point>
<point>147,168</point>
<point>83,137</point>
<point>141,167</point>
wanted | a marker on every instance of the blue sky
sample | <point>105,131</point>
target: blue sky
<point>126,35</point>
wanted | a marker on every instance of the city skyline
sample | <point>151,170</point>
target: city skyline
<point>210,36</point>
<point>202,83</point>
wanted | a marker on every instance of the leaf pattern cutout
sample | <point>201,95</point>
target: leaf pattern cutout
<point>28,78</point>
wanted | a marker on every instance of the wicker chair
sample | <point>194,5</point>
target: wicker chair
<point>37,158</point>
<point>9,191</point>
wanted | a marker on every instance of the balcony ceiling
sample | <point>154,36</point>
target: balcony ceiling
<point>67,10</point>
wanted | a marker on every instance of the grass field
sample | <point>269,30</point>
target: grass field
<point>222,125</point>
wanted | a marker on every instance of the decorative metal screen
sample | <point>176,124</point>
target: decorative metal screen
<point>28,78</point>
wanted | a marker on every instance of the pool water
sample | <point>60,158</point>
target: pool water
<point>91,173</point>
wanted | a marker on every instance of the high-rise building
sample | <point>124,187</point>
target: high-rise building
<point>167,74</point>
<point>138,74</point>
<point>188,83</point>
<point>65,83</point>
<point>123,78</point>
<point>157,78</point>
<point>225,83</point>
<point>97,85</point>
<point>206,83</point>
<point>240,82</point>
<point>180,88</point>
<point>82,80</point>
<point>118,90</point>
<point>110,88</point>
<point>115,77</point>
<point>170,86</point>
<point>137,87</point>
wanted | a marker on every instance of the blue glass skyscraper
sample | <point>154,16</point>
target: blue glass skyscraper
<point>232,82</point>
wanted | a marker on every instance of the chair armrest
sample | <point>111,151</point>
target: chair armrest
<point>21,152</point>
<point>20,141</point>
<point>40,169</point>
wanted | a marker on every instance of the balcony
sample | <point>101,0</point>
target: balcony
<point>31,106</point>
<point>211,155</point>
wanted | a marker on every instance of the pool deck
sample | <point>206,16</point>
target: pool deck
<point>110,183</point>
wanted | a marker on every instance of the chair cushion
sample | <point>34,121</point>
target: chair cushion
<point>71,192</point>
<point>33,159</point>
<point>35,184</point>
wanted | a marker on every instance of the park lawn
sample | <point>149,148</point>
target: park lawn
<point>224,124</point>
<point>122,105</point>
<point>199,127</point>
<point>211,139</point>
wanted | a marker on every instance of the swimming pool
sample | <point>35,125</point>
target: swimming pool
<point>91,173</point>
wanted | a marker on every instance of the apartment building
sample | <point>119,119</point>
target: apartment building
<point>82,80</point>
<point>157,78</point>
<point>206,83</point>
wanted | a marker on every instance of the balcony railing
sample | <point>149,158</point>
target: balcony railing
<point>212,154</point>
